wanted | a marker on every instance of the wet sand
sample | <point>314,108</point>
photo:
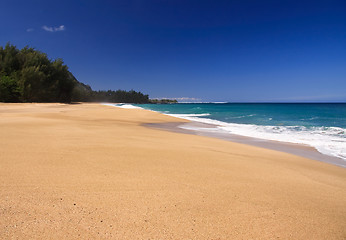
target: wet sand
<point>89,171</point>
<point>207,130</point>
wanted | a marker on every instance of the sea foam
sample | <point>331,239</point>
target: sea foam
<point>327,140</point>
<point>122,105</point>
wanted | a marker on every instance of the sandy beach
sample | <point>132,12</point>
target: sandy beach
<point>89,171</point>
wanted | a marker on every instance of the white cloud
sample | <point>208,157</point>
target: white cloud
<point>61,28</point>
<point>48,29</point>
<point>183,99</point>
<point>188,99</point>
<point>30,30</point>
<point>54,29</point>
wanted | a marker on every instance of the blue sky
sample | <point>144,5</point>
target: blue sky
<point>282,51</point>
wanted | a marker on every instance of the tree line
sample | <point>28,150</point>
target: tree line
<point>28,75</point>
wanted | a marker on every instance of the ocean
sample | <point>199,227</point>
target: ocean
<point>319,125</point>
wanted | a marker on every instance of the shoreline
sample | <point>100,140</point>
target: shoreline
<point>296,149</point>
<point>269,123</point>
<point>87,171</point>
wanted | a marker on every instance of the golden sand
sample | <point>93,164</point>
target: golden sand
<point>88,171</point>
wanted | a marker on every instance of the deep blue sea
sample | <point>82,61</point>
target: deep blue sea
<point>320,125</point>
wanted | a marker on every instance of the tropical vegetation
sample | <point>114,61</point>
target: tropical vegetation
<point>28,75</point>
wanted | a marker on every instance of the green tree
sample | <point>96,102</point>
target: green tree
<point>9,90</point>
<point>34,77</point>
<point>27,75</point>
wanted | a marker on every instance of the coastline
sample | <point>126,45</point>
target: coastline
<point>296,149</point>
<point>315,125</point>
<point>90,171</point>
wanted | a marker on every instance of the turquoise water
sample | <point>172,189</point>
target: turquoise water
<point>320,125</point>
<point>308,115</point>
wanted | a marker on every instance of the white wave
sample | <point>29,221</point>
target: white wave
<point>122,105</point>
<point>308,119</point>
<point>189,115</point>
<point>108,104</point>
<point>243,116</point>
<point>327,140</point>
